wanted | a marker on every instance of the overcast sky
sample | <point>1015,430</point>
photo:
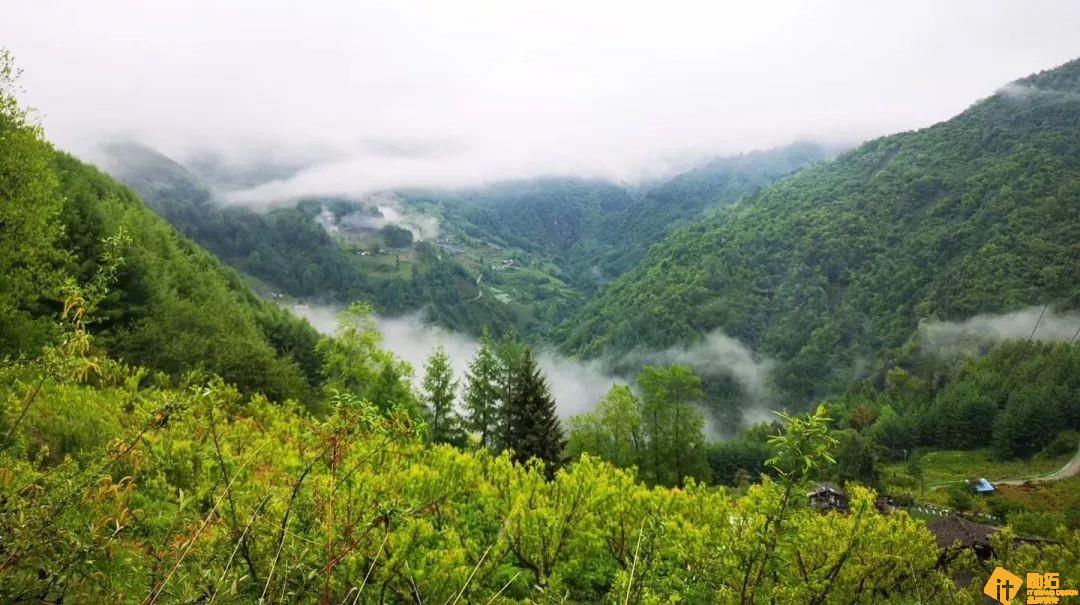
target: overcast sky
<point>385,95</point>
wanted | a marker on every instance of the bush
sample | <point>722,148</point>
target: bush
<point>960,498</point>
<point>1043,525</point>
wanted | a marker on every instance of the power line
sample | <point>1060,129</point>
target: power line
<point>1037,322</point>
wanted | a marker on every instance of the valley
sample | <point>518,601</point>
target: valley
<point>547,343</point>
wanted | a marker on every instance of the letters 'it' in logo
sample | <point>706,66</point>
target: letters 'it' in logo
<point>1002,586</point>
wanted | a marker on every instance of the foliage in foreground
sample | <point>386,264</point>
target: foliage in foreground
<point>120,490</point>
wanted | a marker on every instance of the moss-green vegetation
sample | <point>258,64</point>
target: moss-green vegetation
<point>544,245</point>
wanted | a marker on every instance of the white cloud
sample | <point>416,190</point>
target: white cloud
<point>977,334</point>
<point>410,93</point>
<point>575,384</point>
<point>716,354</point>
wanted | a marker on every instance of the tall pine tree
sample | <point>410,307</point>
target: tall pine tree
<point>482,394</point>
<point>439,394</point>
<point>532,428</point>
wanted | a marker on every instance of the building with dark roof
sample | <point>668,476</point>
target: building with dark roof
<point>826,497</point>
<point>955,534</point>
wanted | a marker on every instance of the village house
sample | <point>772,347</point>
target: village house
<point>826,497</point>
<point>955,534</point>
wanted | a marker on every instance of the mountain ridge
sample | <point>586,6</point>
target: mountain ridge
<point>809,270</point>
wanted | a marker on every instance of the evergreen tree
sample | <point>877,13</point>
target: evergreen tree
<point>856,458</point>
<point>482,394</point>
<point>440,389</point>
<point>509,353</point>
<point>532,426</point>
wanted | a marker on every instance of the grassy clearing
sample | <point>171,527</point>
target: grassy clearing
<point>942,466</point>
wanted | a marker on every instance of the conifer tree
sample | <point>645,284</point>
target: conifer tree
<point>440,390</point>
<point>509,352</point>
<point>482,394</point>
<point>532,426</point>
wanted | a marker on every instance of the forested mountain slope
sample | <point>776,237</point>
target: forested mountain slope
<point>132,470</point>
<point>287,248</point>
<point>831,268</point>
<point>171,306</point>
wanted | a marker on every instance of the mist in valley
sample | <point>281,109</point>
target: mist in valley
<point>577,385</point>
<point>978,334</point>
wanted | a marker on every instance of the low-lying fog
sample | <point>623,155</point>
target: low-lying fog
<point>977,334</point>
<point>576,384</point>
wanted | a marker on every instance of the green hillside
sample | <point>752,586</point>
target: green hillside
<point>284,246</point>
<point>168,437</point>
<point>287,249</point>
<point>171,306</point>
<point>830,269</point>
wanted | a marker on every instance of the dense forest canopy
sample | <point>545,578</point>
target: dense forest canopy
<point>171,306</point>
<point>594,230</point>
